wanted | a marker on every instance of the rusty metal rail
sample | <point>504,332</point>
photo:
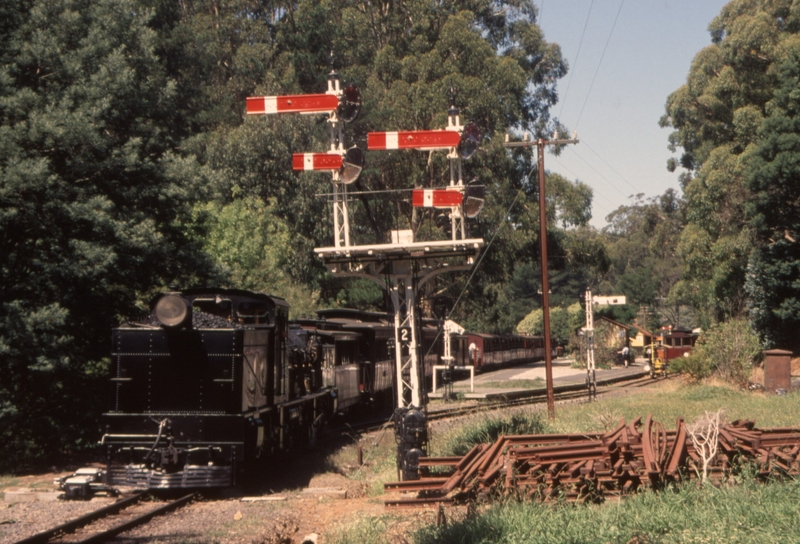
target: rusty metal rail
<point>594,466</point>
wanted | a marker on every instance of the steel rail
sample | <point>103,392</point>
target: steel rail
<point>109,510</point>
<point>578,392</point>
<point>82,521</point>
<point>105,536</point>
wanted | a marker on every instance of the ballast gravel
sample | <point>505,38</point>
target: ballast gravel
<point>222,521</point>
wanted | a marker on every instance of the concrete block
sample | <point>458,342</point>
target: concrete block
<point>335,492</point>
<point>23,494</point>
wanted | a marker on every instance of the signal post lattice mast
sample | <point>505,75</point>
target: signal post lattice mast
<point>591,378</point>
<point>341,106</point>
<point>414,263</point>
<point>407,265</point>
<point>403,266</point>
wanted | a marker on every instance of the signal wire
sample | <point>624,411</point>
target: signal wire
<point>574,175</point>
<point>599,174</point>
<point>583,141</point>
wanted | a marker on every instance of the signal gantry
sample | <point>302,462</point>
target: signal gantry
<point>403,266</point>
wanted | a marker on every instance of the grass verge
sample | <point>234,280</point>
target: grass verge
<point>750,512</point>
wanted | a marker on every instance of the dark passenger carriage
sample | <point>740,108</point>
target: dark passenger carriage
<point>492,351</point>
<point>209,382</point>
<point>374,380</point>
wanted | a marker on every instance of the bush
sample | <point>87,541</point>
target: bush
<point>727,350</point>
<point>488,430</point>
<point>696,367</point>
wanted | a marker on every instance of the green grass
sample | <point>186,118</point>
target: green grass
<point>750,512</point>
<point>383,529</point>
<point>673,401</point>
<point>8,481</point>
<point>482,429</point>
<point>380,462</point>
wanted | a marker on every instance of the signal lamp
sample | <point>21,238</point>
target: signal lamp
<point>470,140</point>
<point>473,200</point>
<point>173,311</point>
<point>352,165</point>
<point>349,104</point>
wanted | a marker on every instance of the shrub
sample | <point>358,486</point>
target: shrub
<point>727,350</point>
<point>488,430</point>
<point>697,368</point>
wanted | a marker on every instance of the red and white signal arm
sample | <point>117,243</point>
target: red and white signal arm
<point>436,198</point>
<point>316,161</point>
<point>417,139</point>
<point>299,103</point>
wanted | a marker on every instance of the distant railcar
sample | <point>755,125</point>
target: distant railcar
<point>677,342</point>
<point>491,351</point>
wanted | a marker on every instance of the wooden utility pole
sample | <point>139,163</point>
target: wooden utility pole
<point>548,351</point>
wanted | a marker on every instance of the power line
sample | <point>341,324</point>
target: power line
<point>599,174</point>
<point>572,73</point>
<point>583,141</point>
<point>577,178</point>
<point>497,230</point>
<point>588,93</point>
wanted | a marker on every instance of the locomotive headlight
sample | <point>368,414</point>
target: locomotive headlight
<point>173,311</point>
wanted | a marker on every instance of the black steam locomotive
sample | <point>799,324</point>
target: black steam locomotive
<point>212,382</point>
<point>206,385</point>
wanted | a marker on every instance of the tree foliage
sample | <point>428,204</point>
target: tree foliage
<point>773,280</point>
<point>93,205</point>
<point>721,118</point>
<point>642,244</point>
<point>254,249</point>
<point>563,322</point>
<point>728,350</point>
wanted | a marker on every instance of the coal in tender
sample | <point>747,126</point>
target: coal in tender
<point>201,320</point>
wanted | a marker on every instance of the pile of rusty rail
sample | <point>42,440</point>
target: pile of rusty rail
<point>594,466</point>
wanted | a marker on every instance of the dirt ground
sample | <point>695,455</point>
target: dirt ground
<point>303,505</point>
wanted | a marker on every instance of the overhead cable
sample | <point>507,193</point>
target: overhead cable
<point>572,73</point>
<point>588,93</point>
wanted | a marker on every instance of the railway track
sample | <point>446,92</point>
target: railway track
<point>563,394</point>
<point>578,391</point>
<point>118,517</point>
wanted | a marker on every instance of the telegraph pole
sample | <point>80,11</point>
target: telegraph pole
<point>540,144</point>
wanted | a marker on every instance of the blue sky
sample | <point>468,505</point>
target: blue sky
<point>623,151</point>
